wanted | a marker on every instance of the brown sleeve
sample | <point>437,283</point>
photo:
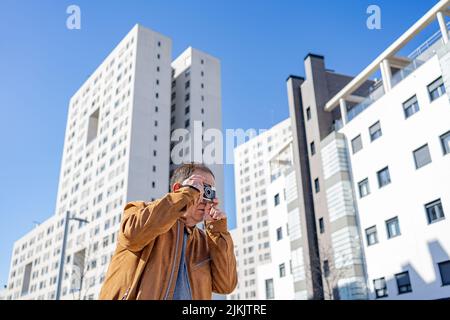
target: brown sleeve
<point>223,261</point>
<point>143,223</point>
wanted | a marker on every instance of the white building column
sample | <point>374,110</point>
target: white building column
<point>343,106</point>
<point>442,26</point>
<point>385,68</point>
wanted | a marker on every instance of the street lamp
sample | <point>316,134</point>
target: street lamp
<point>63,251</point>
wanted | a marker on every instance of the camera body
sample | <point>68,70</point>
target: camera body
<point>209,192</point>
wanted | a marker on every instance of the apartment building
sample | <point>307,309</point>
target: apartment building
<point>372,168</point>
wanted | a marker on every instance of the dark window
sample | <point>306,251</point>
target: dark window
<point>279,233</point>
<point>445,142</point>
<point>186,97</point>
<point>403,282</point>
<point>410,107</point>
<point>313,148</point>
<point>357,144</point>
<point>172,120</point>
<point>174,83</point>
<point>375,131</point>
<point>380,288</point>
<point>384,177</point>
<point>316,185</point>
<point>363,187</point>
<point>444,269</point>
<point>434,211</point>
<point>277,199</point>
<point>159,43</point>
<point>269,289</point>
<point>436,89</point>
<point>308,113</point>
<point>186,123</point>
<point>186,110</point>
<point>282,268</point>
<point>174,95</point>
<point>371,236</point>
<point>202,111</point>
<point>187,84</point>
<point>321,225</point>
<point>422,156</point>
<point>172,108</point>
<point>326,268</point>
<point>156,109</point>
<point>393,228</point>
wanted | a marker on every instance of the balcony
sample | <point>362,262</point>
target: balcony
<point>418,57</point>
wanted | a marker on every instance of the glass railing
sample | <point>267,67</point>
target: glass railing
<point>406,71</point>
<point>360,107</point>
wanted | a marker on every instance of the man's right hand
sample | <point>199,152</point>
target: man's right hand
<point>195,181</point>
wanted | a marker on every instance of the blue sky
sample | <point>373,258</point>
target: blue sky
<point>259,43</point>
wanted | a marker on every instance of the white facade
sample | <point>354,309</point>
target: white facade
<point>420,245</point>
<point>197,106</point>
<point>275,279</point>
<point>117,149</point>
<point>252,179</point>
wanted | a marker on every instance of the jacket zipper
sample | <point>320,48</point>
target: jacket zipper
<point>125,295</point>
<point>174,260</point>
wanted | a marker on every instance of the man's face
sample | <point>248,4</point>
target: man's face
<point>197,212</point>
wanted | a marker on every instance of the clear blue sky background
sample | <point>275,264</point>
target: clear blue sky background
<point>258,42</point>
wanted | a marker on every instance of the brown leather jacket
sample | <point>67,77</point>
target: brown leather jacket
<point>145,263</point>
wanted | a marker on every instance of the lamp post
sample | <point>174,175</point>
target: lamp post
<point>63,251</point>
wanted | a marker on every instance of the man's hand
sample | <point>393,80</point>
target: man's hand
<point>195,181</point>
<point>212,212</point>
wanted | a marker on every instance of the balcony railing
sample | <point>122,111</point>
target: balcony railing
<point>419,58</point>
<point>360,107</point>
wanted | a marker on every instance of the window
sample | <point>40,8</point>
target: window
<point>444,270</point>
<point>308,113</point>
<point>186,123</point>
<point>156,109</point>
<point>393,227</point>
<point>410,107</point>
<point>380,288</point>
<point>202,111</point>
<point>279,233</point>
<point>316,185</point>
<point>313,148</point>
<point>375,131</point>
<point>269,289</point>
<point>187,84</point>
<point>172,108</point>
<point>186,110</point>
<point>277,199</point>
<point>357,144</point>
<point>445,142</point>
<point>436,89</point>
<point>364,188</point>
<point>326,268</point>
<point>371,236</point>
<point>384,177</point>
<point>403,282</point>
<point>321,225</point>
<point>92,126</point>
<point>422,156</point>
<point>434,211</point>
<point>282,269</point>
<point>186,97</point>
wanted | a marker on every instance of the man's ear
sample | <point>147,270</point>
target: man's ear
<point>176,186</point>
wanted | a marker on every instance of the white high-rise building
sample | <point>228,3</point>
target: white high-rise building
<point>117,149</point>
<point>252,178</point>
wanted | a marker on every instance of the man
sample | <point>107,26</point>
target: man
<point>161,254</point>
